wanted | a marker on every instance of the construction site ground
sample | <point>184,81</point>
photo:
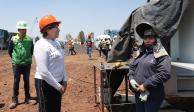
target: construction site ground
<point>79,96</point>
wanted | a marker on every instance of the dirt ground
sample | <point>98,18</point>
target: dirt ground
<point>79,96</point>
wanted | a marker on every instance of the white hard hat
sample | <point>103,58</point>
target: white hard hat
<point>21,25</point>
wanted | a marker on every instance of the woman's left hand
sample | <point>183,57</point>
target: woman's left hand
<point>64,85</point>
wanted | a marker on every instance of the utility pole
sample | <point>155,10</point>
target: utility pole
<point>33,24</point>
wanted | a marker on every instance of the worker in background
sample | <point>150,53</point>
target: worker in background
<point>106,46</point>
<point>73,48</point>
<point>89,46</point>
<point>100,48</point>
<point>20,50</point>
<point>147,73</point>
<point>50,76</point>
<point>69,45</point>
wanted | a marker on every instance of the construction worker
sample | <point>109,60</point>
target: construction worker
<point>69,45</point>
<point>20,50</point>
<point>100,47</point>
<point>73,48</point>
<point>148,72</point>
<point>89,46</point>
<point>106,46</point>
<point>50,76</point>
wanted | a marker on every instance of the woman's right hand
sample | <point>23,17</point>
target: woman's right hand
<point>134,84</point>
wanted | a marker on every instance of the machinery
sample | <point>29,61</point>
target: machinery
<point>107,96</point>
<point>4,36</point>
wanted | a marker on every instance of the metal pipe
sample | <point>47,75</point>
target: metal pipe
<point>95,85</point>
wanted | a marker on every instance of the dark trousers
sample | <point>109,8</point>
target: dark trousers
<point>105,52</point>
<point>48,97</point>
<point>72,51</point>
<point>17,71</point>
<point>100,51</point>
<point>152,104</point>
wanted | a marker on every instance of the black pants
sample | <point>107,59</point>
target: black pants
<point>100,51</point>
<point>153,102</point>
<point>105,52</point>
<point>48,97</point>
<point>72,51</point>
<point>17,71</point>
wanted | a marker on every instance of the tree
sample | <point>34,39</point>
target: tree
<point>81,37</point>
<point>68,37</point>
<point>62,44</point>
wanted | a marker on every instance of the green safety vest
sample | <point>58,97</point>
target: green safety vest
<point>22,50</point>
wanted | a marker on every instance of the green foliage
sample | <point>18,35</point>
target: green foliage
<point>68,37</point>
<point>62,44</point>
<point>81,37</point>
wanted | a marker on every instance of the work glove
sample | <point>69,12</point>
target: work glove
<point>144,96</point>
<point>134,84</point>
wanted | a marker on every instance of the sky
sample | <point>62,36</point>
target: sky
<point>76,15</point>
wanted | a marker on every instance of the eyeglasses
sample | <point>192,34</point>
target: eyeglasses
<point>21,29</point>
<point>52,26</point>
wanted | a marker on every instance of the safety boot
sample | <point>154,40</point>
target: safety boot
<point>30,101</point>
<point>14,103</point>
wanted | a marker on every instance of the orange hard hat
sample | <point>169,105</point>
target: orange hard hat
<point>46,20</point>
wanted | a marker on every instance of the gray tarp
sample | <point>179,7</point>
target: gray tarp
<point>163,15</point>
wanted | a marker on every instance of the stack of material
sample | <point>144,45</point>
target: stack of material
<point>183,103</point>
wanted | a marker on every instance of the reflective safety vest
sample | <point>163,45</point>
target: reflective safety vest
<point>22,50</point>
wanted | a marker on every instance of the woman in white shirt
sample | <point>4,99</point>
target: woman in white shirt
<point>50,77</point>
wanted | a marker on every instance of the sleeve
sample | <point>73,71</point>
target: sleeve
<point>41,57</point>
<point>65,78</point>
<point>163,73</point>
<point>10,48</point>
<point>131,70</point>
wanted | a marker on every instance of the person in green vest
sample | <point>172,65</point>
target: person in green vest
<point>20,50</point>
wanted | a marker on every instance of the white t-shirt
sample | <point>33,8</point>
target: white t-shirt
<point>49,57</point>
